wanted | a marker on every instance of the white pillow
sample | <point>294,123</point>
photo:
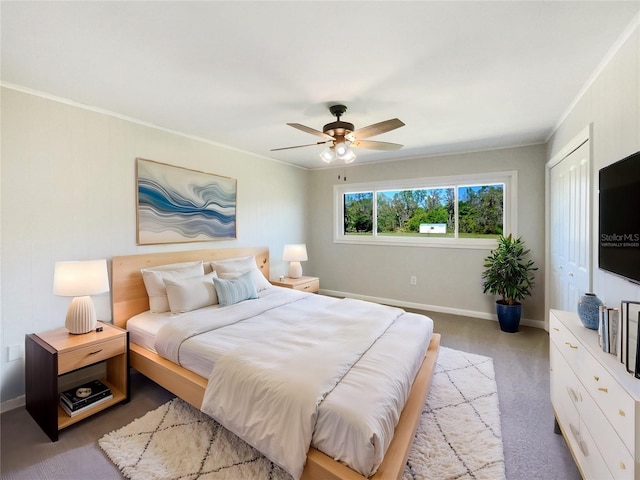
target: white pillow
<point>242,265</point>
<point>231,276</point>
<point>236,290</point>
<point>191,293</point>
<point>154,281</point>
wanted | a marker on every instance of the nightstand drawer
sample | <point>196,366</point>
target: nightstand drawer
<point>90,354</point>
<point>303,284</point>
<point>312,286</point>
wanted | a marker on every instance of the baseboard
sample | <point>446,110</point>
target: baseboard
<point>12,404</point>
<point>431,308</point>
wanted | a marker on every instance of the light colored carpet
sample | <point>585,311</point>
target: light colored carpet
<point>458,435</point>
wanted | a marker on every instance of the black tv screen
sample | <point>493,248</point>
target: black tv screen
<point>619,224</point>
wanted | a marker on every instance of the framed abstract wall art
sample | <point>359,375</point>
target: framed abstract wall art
<point>177,205</point>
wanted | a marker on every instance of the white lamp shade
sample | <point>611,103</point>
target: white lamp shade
<point>328,154</point>
<point>341,148</point>
<point>79,280</point>
<point>76,279</point>
<point>344,152</point>
<point>295,253</point>
<point>348,157</point>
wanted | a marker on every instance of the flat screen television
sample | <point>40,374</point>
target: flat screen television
<point>619,218</point>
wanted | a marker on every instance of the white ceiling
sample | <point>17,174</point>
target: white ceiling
<point>461,75</point>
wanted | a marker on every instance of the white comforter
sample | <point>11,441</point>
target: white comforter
<point>267,392</point>
<point>348,429</point>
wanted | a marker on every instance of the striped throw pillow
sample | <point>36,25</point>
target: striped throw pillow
<point>235,290</point>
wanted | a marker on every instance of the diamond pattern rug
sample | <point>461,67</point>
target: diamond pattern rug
<point>458,436</point>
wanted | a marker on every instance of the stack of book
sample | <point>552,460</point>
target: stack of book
<point>608,328</point>
<point>83,397</point>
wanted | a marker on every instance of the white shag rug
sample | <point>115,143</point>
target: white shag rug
<point>458,436</point>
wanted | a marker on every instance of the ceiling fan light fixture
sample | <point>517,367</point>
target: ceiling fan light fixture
<point>348,156</point>
<point>343,136</point>
<point>328,154</point>
<point>341,148</point>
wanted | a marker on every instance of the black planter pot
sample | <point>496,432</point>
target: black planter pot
<point>508,316</point>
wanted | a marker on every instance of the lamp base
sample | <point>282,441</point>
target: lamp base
<point>295,270</point>
<point>81,316</point>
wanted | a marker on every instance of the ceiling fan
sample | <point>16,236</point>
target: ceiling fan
<point>343,136</point>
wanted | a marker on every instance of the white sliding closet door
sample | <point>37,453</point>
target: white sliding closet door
<point>570,229</point>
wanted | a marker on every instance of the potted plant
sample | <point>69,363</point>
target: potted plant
<point>509,274</point>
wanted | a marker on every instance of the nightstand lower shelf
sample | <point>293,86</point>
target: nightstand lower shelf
<point>64,420</point>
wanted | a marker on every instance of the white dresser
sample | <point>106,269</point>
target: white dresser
<point>596,402</point>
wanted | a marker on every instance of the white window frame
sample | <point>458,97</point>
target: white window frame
<point>508,178</point>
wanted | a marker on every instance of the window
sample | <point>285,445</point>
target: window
<point>358,213</point>
<point>463,211</point>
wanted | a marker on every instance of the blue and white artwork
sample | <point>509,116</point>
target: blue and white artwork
<point>180,205</point>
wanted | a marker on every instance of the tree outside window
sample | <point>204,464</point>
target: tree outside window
<point>461,211</point>
<point>358,213</point>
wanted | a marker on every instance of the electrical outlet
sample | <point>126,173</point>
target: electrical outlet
<point>14,352</point>
<point>413,280</point>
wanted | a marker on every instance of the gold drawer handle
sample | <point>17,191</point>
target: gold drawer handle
<point>97,351</point>
<point>571,346</point>
<point>596,378</point>
<point>605,390</point>
<point>556,329</point>
<point>621,413</point>
<point>622,466</point>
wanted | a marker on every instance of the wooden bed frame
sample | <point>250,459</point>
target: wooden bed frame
<point>130,298</point>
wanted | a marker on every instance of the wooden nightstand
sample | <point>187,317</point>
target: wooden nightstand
<point>52,354</point>
<point>306,284</point>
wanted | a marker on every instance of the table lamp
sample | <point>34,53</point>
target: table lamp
<point>79,280</point>
<point>295,254</point>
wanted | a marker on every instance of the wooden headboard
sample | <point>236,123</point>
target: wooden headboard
<point>129,296</point>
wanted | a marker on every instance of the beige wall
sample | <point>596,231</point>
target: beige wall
<point>68,193</point>
<point>449,280</point>
<point>611,105</point>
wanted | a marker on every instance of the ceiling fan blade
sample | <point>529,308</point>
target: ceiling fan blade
<point>378,128</point>
<point>372,145</point>
<point>310,130</point>
<point>299,146</point>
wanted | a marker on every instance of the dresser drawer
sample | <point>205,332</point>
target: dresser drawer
<point>616,455</point>
<point>86,355</point>
<point>588,456</point>
<point>616,404</point>
<point>565,390</point>
<point>566,342</point>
